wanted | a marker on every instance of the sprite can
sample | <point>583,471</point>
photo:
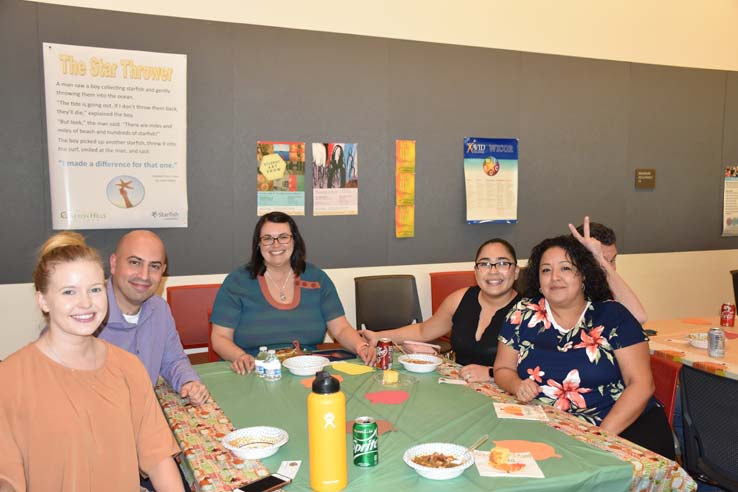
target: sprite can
<point>366,442</point>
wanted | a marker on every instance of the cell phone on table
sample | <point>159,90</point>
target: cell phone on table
<point>272,482</point>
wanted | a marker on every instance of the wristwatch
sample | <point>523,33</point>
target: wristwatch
<point>491,372</point>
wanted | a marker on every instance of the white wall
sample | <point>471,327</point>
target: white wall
<point>670,285</point>
<point>688,33</point>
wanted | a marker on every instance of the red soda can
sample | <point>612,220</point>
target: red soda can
<point>384,354</point>
<point>727,314</point>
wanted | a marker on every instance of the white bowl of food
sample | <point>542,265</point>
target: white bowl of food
<point>698,340</point>
<point>420,362</point>
<point>438,460</point>
<point>253,443</point>
<point>306,365</point>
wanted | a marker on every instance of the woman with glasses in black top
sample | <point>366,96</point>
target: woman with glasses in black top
<point>472,315</point>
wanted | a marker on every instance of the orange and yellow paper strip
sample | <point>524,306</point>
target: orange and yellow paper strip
<point>404,188</point>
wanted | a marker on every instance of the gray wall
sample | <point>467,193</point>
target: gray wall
<point>584,126</point>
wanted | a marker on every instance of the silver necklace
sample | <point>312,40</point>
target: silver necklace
<point>61,361</point>
<point>282,295</point>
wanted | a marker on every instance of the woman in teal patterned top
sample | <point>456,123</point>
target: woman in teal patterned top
<point>278,297</point>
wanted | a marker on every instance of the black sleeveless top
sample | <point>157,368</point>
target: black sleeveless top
<point>464,329</point>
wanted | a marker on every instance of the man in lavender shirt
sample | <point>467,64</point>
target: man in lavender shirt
<point>140,321</point>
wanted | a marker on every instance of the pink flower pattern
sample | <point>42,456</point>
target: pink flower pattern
<point>568,392</point>
<point>592,342</point>
<point>539,314</point>
<point>535,374</point>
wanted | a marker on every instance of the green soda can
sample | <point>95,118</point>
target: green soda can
<point>366,442</point>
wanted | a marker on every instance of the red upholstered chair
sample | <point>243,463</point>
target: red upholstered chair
<point>190,305</point>
<point>665,377</point>
<point>444,283</point>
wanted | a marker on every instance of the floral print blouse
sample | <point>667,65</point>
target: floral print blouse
<point>576,369</point>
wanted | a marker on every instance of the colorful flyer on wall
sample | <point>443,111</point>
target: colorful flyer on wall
<point>280,179</point>
<point>491,176</point>
<point>730,201</point>
<point>404,188</point>
<point>335,179</point>
<point>116,124</point>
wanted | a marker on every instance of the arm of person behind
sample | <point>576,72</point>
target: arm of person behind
<point>342,332</point>
<point>506,375</point>
<point>635,365</point>
<point>221,339</point>
<point>622,291</point>
<point>434,327</point>
<point>176,368</point>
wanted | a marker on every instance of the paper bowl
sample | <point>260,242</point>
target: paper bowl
<point>462,455</point>
<point>306,365</point>
<point>253,443</point>
<point>420,362</point>
<point>698,340</point>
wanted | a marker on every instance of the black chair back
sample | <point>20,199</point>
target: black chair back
<point>384,302</point>
<point>710,404</point>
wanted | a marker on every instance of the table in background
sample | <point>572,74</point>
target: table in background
<point>591,458</point>
<point>671,342</point>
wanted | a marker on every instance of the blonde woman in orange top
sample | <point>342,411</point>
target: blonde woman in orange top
<point>78,414</point>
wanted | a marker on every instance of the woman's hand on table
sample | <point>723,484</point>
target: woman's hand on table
<point>475,373</point>
<point>367,353</point>
<point>371,337</point>
<point>243,364</point>
<point>527,390</point>
<point>195,391</point>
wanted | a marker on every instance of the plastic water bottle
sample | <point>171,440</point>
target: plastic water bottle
<point>272,367</point>
<point>326,409</point>
<point>261,357</point>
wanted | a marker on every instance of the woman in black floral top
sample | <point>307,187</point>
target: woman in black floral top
<point>567,344</point>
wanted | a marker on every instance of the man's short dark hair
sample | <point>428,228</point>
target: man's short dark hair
<point>601,232</point>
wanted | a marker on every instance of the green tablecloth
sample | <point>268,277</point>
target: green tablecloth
<point>433,413</point>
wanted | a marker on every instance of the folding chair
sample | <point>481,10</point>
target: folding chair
<point>384,302</point>
<point>709,406</point>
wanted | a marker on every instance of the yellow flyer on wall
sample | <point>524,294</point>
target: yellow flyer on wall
<point>280,178</point>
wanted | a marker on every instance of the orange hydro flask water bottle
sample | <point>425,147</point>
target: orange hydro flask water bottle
<point>326,410</point>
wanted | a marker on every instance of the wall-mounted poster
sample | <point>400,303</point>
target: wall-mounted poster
<point>335,179</point>
<point>404,188</point>
<point>491,177</point>
<point>280,179</point>
<point>116,125</point>
<point>730,201</point>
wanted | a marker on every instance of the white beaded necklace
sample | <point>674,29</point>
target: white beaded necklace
<point>282,295</point>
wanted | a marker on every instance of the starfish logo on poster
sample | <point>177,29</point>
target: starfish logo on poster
<point>86,216</point>
<point>172,215</point>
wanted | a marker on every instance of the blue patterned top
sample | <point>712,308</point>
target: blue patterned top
<point>576,369</point>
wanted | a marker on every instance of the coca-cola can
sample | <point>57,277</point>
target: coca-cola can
<point>384,354</point>
<point>727,314</point>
